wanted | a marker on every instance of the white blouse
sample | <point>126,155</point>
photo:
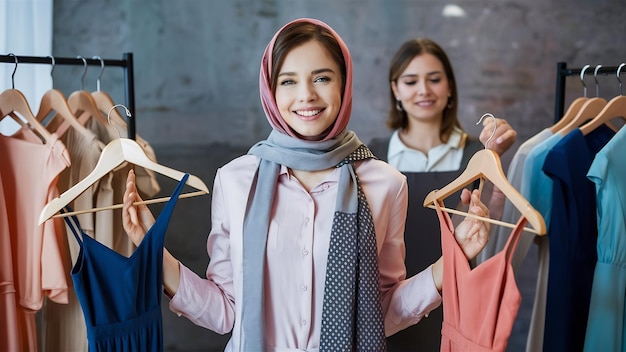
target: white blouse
<point>444,157</point>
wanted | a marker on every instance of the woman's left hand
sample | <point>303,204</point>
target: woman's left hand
<point>502,140</point>
<point>473,234</point>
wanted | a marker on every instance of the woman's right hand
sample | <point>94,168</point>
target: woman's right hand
<point>137,219</point>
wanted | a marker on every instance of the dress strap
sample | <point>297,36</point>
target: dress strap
<point>72,223</point>
<point>174,198</point>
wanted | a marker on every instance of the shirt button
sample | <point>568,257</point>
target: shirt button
<point>325,186</point>
<point>303,322</point>
<point>305,252</point>
<point>303,287</point>
<point>306,220</point>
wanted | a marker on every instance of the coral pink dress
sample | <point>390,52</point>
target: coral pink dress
<point>31,262</point>
<point>479,305</point>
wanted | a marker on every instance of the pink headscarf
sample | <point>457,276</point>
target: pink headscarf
<point>269,102</point>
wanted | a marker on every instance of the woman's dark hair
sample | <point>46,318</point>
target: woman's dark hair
<point>403,57</point>
<point>298,34</point>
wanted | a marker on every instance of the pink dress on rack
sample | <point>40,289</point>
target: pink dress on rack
<point>30,255</point>
<point>479,305</point>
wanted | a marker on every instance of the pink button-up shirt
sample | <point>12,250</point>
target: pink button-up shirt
<point>296,255</point>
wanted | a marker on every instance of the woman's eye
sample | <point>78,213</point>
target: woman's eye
<point>322,79</point>
<point>287,82</point>
<point>410,83</point>
<point>435,80</point>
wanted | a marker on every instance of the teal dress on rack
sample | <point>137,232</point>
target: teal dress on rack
<point>606,325</point>
<point>121,296</point>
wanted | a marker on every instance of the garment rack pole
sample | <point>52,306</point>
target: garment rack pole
<point>562,72</point>
<point>126,63</point>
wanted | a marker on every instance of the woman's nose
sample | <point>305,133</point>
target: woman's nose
<point>306,92</point>
<point>422,87</point>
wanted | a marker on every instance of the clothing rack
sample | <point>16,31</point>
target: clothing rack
<point>562,71</point>
<point>126,63</point>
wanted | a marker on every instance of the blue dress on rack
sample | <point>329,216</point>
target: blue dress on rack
<point>121,296</point>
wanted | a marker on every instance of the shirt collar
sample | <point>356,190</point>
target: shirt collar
<point>457,140</point>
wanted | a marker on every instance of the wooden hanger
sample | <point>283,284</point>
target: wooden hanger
<point>574,107</point>
<point>84,106</point>
<point>103,101</point>
<point>569,115</point>
<point>616,107</point>
<point>54,100</point>
<point>486,164</point>
<point>589,109</point>
<point>13,101</point>
<point>115,153</point>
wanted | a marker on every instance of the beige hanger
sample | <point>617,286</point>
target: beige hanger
<point>574,107</point>
<point>587,111</point>
<point>616,107</point>
<point>82,103</point>
<point>118,151</point>
<point>54,100</point>
<point>13,101</point>
<point>569,115</point>
<point>103,101</point>
<point>486,164</point>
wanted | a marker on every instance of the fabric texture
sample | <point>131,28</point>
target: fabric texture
<point>606,325</point>
<point>352,294</point>
<point>479,305</point>
<point>121,296</point>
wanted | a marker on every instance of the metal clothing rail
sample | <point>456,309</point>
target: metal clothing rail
<point>562,72</point>
<point>126,63</point>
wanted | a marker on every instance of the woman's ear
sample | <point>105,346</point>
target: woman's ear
<point>394,88</point>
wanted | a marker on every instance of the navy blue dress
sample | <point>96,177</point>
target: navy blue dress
<point>121,296</point>
<point>572,236</point>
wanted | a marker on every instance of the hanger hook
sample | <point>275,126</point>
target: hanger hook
<point>14,69</point>
<point>495,127</point>
<point>582,79</point>
<point>109,116</point>
<point>595,78</point>
<point>101,71</point>
<point>53,63</point>
<point>619,69</point>
<point>82,77</point>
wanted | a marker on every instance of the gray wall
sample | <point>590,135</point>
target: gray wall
<point>197,61</point>
<point>197,64</point>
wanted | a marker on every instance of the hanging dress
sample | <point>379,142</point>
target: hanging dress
<point>121,296</point>
<point>423,246</point>
<point>479,305</point>
<point>606,325</point>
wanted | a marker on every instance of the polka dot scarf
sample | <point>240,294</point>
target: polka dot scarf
<point>352,318</point>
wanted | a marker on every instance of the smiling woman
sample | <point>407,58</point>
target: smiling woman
<point>308,93</point>
<point>307,240</point>
<point>429,146</point>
